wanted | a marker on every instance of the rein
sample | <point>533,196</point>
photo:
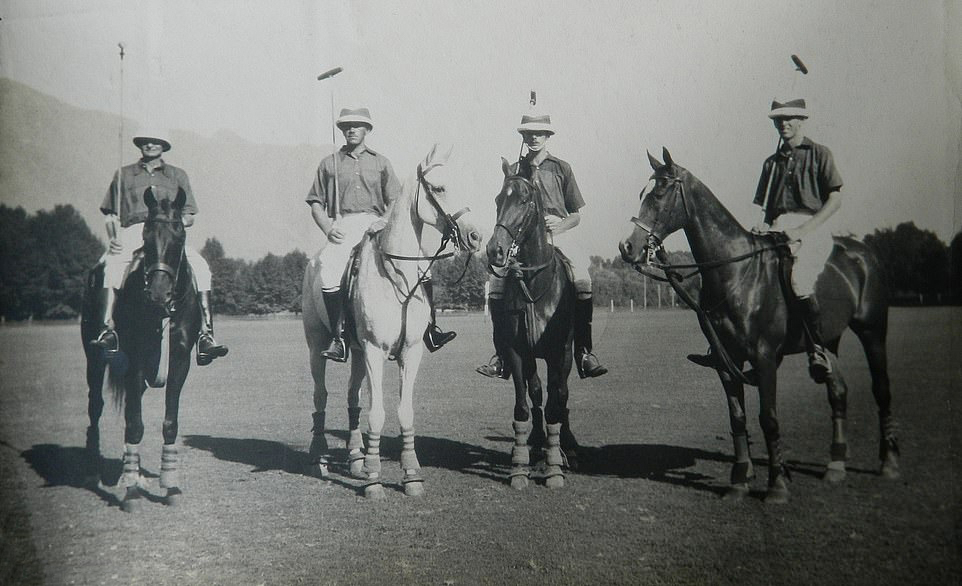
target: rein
<point>174,272</point>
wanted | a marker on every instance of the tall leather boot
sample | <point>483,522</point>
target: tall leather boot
<point>495,367</point>
<point>819,364</point>
<point>107,339</point>
<point>587,363</point>
<point>434,337</point>
<point>207,348</point>
<point>337,350</point>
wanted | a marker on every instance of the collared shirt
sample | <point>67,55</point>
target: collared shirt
<point>366,181</point>
<point>802,178</point>
<point>136,178</point>
<point>562,196</point>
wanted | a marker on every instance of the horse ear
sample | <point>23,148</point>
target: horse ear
<point>181,199</point>
<point>149,198</point>
<point>655,164</point>
<point>505,166</point>
<point>430,157</point>
<point>667,156</point>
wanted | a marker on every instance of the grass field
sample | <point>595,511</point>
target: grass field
<point>645,509</point>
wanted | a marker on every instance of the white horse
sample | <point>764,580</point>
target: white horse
<point>390,314</point>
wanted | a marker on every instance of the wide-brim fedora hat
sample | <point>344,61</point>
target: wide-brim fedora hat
<point>349,115</point>
<point>788,109</point>
<point>536,123</point>
<point>154,135</point>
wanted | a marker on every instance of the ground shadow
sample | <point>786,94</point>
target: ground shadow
<point>69,466</point>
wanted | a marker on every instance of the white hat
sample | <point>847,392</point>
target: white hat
<point>155,135</point>
<point>536,123</point>
<point>361,115</point>
<point>788,109</point>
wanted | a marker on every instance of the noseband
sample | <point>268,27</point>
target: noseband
<point>162,267</point>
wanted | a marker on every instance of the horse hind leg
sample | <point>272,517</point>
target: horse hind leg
<point>355,441</point>
<point>96,368</point>
<point>132,479</point>
<point>873,342</point>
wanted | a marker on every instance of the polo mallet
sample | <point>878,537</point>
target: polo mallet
<point>334,211</point>
<point>112,228</point>
<point>532,101</point>
<point>799,68</point>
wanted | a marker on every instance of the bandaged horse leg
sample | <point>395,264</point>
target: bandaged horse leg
<point>409,361</point>
<point>520,457</point>
<point>170,473</point>
<point>742,471</point>
<point>838,399</point>
<point>372,467</point>
<point>554,475</point>
<point>355,443</point>
<point>778,475</point>
<point>413,481</point>
<point>318,451</point>
<point>374,365</point>
<point>131,479</point>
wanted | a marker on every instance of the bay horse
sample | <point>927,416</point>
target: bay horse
<point>539,300</point>
<point>389,314</point>
<point>157,322</point>
<point>746,312</point>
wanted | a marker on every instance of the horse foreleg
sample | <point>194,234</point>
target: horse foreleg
<point>170,457</point>
<point>536,438</point>
<point>520,455</point>
<point>318,452</point>
<point>374,368</point>
<point>409,361</point>
<point>132,478</point>
<point>355,443</point>
<point>742,471</point>
<point>768,418</point>
<point>873,342</point>
<point>569,444</point>
<point>553,413</point>
<point>838,399</point>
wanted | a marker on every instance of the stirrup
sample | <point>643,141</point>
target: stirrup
<point>435,338</point>
<point>107,341</point>
<point>337,351</point>
<point>590,366</point>
<point>494,369</point>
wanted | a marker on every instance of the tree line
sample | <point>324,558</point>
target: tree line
<point>45,257</point>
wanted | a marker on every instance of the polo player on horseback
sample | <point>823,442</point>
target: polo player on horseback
<point>125,211</point>
<point>350,193</point>
<point>562,205</point>
<point>798,191</point>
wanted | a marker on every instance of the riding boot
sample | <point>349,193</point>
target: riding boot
<point>495,367</point>
<point>207,347</point>
<point>587,363</point>
<point>107,339</point>
<point>819,364</point>
<point>337,350</point>
<point>434,337</point>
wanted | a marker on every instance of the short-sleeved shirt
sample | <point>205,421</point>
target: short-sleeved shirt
<point>366,181</point>
<point>562,196</point>
<point>136,178</point>
<point>802,178</point>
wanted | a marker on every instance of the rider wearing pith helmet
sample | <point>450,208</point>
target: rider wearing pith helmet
<point>562,205</point>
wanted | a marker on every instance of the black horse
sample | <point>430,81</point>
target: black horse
<point>747,314</point>
<point>539,300</point>
<point>157,322</point>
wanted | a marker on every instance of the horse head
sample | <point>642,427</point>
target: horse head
<point>164,241</point>
<point>435,178</point>
<point>664,210</point>
<point>520,216</point>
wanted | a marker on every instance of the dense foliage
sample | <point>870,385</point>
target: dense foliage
<point>44,259</point>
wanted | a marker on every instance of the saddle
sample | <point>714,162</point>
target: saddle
<point>519,299</point>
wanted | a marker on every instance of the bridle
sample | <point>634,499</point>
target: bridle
<point>520,235</point>
<point>653,242</point>
<point>163,267</point>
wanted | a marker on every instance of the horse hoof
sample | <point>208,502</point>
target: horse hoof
<point>776,495</point>
<point>519,482</point>
<point>174,497</point>
<point>414,488</point>
<point>890,470</point>
<point>131,505</point>
<point>357,468</point>
<point>321,468</point>
<point>374,492</point>
<point>736,492</point>
<point>555,482</point>
<point>834,472</point>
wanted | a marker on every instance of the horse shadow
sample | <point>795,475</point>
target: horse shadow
<point>69,466</point>
<point>267,455</point>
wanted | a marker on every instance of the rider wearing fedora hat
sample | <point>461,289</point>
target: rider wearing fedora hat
<point>125,210</point>
<point>562,205</point>
<point>798,192</point>
<point>349,194</point>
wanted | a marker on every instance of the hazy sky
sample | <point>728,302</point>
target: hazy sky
<point>617,77</point>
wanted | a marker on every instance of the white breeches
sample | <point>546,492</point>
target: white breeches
<point>115,264</point>
<point>810,253</point>
<point>579,259</point>
<point>334,257</point>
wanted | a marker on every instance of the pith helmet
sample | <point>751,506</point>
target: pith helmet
<point>361,115</point>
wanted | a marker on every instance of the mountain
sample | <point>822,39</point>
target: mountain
<point>251,196</point>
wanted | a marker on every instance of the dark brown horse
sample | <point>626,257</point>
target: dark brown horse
<point>537,323</point>
<point>748,315</point>
<point>157,322</point>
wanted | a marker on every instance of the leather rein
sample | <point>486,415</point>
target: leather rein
<point>174,272</point>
